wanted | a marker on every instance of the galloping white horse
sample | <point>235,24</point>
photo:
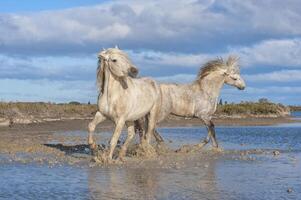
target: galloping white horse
<point>122,99</point>
<point>199,98</point>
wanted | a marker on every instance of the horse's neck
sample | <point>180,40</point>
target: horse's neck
<point>212,85</point>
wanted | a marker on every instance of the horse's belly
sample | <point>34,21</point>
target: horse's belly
<point>183,108</point>
<point>138,111</point>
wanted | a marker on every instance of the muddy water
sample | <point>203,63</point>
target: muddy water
<point>247,170</point>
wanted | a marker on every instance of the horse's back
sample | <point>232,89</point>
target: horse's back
<point>178,100</point>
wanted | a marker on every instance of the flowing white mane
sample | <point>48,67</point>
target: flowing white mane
<point>218,64</point>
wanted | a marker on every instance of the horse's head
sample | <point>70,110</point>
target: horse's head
<point>232,73</point>
<point>118,64</point>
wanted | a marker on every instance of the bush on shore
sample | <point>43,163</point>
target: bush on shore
<point>295,108</point>
<point>253,108</point>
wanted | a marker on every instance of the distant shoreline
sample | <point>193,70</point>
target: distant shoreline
<point>246,113</point>
<point>82,124</point>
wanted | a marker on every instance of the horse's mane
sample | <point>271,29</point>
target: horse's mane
<point>100,76</point>
<point>216,65</point>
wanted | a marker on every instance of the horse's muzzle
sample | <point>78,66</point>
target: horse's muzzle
<point>241,87</point>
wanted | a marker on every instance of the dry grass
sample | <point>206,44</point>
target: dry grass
<point>42,110</point>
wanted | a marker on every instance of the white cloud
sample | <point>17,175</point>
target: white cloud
<point>158,35</point>
<point>272,53</point>
<point>276,76</point>
<point>282,52</point>
<point>160,25</point>
<point>47,90</point>
<point>272,16</point>
<point>170,58</point>
<point>179,78</point>
<point>57,68</point>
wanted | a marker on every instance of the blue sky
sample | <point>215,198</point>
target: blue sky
<point>48,48</point>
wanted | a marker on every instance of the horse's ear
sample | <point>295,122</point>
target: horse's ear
<point>116,47</point>
<point>133,71</point>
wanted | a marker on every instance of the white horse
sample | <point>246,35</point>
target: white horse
<point>199,98</point>
<point>122,99</point>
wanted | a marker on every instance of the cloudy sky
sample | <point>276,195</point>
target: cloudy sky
<point>48,48</point>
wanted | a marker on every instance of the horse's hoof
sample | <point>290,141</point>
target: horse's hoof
<point>111,161</point>
<point>218,149</point>
<point>118,161</point>
<point>201,145</point>
<point>121,154</point>
<point>93,149</point>
<point>96,160</point>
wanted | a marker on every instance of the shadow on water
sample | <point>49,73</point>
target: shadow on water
<point>71,149</point>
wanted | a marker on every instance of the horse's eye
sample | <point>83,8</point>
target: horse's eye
<point>234,78</point>
<point>114,60</point>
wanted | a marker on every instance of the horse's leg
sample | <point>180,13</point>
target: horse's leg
<point>211,134</point>
<point>140,129</point>
<point>158,137</point>
<point>98,118</point>
<point>151,123</point>
<point>115,137</point>
<point>130,136</point>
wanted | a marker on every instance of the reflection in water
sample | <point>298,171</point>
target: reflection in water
<point>154,183</point>
<point>123,183</point>
<point>208,183</point>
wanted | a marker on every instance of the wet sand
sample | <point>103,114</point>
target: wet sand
<point>48,142</point>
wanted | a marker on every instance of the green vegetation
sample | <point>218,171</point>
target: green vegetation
<point>74,102</point>
<point>261,108</point>
<point>295,108</point>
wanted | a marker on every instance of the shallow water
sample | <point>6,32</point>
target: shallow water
<point>227,177</point>
<point>296,114</point>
